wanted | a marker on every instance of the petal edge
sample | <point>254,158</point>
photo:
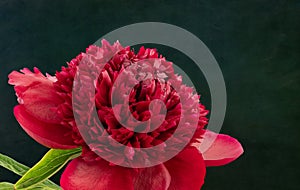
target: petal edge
<point>83,175</point>
<point>49,135</point>
<point>222,149</point>
<point>187,170</point>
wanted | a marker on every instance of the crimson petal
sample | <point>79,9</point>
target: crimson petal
<point>50,135</point>
<point>222,149</point>
<point>82,175</point>
<point>39,102</point>
<point>90,175</point>
<point>153,178</point>
<point>187,170</point>
<point>36,92</point>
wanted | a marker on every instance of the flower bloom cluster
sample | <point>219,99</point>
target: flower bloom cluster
<point>57,111</point>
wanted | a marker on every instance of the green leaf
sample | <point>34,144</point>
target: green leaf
<point>10,186</point>
<point>6,186</point>
<point>42,187</point>
<point>19,169</point>
<point>52,162</point>
<point>13,165</point>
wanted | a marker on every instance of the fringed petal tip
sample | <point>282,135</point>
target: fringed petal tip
<point>25,77</point>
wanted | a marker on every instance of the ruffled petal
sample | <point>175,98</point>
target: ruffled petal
<point>27,78</point>
<point>82,175</point>
<point>223,150</point>
<point>49,135</point>
<point>36,92</point>
<point>187,170</point>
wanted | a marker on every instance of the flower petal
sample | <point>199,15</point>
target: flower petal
<point>153,178</point>
<point>27,78</point>
<point>86,175</point>
<point>222,149</point>
<point>82,175</point>
<point>36,92</point>
<point>41,102</point>
<point>50,135</point>
<point>187,170</point>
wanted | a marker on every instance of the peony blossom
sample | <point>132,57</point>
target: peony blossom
<point>46,112</point>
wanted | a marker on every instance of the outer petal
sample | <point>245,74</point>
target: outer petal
<point>187,170</point>
<point>153,178</point>
<point>36,92</point>
<point>26,77</point>
<point>50,135</point>
<point>83,175</point>
<point>41,102</point>
<point>96,175</point>
<point>223,149</point>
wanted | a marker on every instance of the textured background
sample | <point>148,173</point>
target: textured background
<point>256,43</point>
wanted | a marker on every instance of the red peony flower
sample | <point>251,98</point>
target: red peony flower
<point>49,105</point>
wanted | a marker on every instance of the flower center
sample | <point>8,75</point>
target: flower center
<point>138,101</point>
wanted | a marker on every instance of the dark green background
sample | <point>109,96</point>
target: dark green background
<point>256,43</point>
